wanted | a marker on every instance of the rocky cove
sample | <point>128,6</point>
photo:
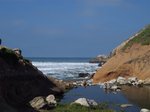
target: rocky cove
<point>115,86</point>
<point>104,93</point>
<point>26,89</point>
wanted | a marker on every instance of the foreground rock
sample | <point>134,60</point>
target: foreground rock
<point>130,59</point>
<point>144,110</point>
<point>38,103</point>
<point>20,82</point>
<point>43,103</point>
<point>85,102</point>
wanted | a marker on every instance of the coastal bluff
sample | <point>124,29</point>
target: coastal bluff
<point>20,82</point>
<point>130,59</point>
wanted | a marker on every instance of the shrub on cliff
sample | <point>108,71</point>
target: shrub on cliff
<point>142,38</point>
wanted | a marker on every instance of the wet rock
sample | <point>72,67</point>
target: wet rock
<point>144,110</point>
<point>126,105</point>
<point>85,102</point>
<point>83,74</point>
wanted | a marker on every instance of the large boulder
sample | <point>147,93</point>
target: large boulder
<point>144,110</point>
<point>38,103</point>
<point>51,100</point>
<point>85,102</point>
<point>43,103</point>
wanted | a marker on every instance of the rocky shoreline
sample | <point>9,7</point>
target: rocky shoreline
<point>114,86</point>
<point>23,88</point>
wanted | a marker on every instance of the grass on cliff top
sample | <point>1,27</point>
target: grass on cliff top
<point>143,38</point>
<point>78,108</point>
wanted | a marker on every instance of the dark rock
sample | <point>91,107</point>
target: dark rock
<point>20,82</point>
<point>83,74</point>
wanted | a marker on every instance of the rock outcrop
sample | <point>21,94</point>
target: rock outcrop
<point>20,82</point>
<point>101,59</point>
<point>130,59</point>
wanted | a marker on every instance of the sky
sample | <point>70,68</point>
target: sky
<point>70,28</point>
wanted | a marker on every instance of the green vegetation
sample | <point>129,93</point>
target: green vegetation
<point>78,108</point>
<point>142,38</point>
<point>8,55</point>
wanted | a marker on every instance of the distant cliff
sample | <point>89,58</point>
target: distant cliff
<point>20,82</point>
<point>131,58</point>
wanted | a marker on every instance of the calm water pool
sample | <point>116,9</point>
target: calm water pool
<point>139,97</point>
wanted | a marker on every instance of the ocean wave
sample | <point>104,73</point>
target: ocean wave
<point>65,70</point>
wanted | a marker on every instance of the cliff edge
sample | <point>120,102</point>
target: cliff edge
<point>131,58</point>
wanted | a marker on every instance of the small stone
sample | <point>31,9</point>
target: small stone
<point>92,102</point>
<point>121,80</point>
<point>113,81</point>
<point>114,88</point>
<point>126,105</point>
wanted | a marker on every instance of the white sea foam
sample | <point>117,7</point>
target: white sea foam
<point>65,70</point>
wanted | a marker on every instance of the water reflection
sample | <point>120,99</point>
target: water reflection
<point>139,96</point>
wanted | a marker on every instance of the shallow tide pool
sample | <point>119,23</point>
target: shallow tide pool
<point>128,95</point>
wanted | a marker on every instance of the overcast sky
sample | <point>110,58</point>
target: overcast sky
<point>70,28</point>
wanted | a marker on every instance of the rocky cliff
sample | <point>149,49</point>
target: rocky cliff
<point>20,82</point>
<point>131,58</point>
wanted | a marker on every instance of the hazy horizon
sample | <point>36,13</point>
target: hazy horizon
<point>70,28</point>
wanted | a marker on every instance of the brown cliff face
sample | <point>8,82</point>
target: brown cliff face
<point>131,58</point>
<point>20,82</point>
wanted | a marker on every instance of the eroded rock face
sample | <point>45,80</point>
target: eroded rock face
<point>132,61</point>
<point>20,81</point>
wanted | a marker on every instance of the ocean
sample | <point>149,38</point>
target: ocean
<point>64,68</point>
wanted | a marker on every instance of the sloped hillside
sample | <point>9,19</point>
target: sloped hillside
<point>20,82</point>
<point>131,58</point>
